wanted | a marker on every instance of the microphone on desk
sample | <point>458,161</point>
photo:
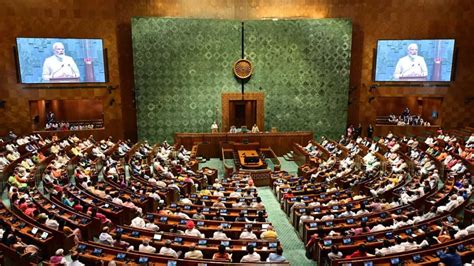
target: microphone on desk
<point>72,69</point>
<point>52,75</point>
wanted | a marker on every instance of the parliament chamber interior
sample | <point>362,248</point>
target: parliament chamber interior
<point>279,132</point>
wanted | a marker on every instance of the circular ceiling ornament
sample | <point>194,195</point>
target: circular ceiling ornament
<point>243,68</point>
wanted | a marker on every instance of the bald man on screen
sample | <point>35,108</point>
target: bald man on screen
<point>59,65</point>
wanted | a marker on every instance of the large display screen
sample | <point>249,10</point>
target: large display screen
<point>58,60</point>
<point>414,60</point>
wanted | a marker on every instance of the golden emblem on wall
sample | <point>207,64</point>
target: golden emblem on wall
<point>243,68</point>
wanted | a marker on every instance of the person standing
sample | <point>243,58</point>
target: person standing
<point>370,131</point>
<point>59,65</point>
<point>411,66</point>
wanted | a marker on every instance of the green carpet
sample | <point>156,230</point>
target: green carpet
<point>214,163</point>
<point>293,247</point>
<point>289,166</point>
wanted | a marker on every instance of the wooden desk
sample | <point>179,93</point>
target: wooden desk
<point>382,130</point>
<point>209,147</point>
<point>250,159</point>
<point>109,253</point>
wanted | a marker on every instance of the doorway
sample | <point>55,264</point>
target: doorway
<point>243,113</point>
<point>242,110</point>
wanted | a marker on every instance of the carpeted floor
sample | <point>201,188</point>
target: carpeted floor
<point>293,247</point>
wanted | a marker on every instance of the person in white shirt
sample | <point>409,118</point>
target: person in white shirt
<point>150,225</point>
<point>105,237</point>
<point>409,244</point>
<point>138,222</point>
<point>385,250</point>
<point>247,234</point>
<point>145,247</point>
<point>182,215</point>
<point>378,227</point>
<point>75,260</point>
<point>192,231</point>
<point>167,250</point>
<point>59,65</point>
<point>398,248</point>
<point>193,253</point>
<point>219,234</point>
<point>51,222</point>
<point>453,203</point>
<point>251,256</point>
<point>306,217</point>
<point>461,233</point>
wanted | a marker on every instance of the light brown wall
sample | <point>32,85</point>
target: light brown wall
<point>110,20</point>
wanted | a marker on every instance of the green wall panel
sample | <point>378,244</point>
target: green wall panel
<point>302,66</point>
<point>181,67</point>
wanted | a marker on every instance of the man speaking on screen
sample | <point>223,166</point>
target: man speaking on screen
<point>411,66</point>
<point>59,66</point>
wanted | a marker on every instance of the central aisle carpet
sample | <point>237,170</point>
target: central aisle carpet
<point>293,247</point>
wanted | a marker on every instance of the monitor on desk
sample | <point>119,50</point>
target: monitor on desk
<point>327,242</point>
<point>416,258</point>
<point>121,256</point>
<point>143,260</point>
<point>81,248</point>
<point>252,244</point>
<point>395,261</point>
<point>97,252</point>
<point>171,263</point>
<point>347,241</point>
<point>34,230</point>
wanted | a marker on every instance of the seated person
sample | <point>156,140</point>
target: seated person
<point>145,247</point>
<point>276,256</point>
<point>193,253</point>
<point>270,234</point>
<point>58,258</point>
<point>168,251</point>
<point>222,255</point>
<point>251,256</point>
